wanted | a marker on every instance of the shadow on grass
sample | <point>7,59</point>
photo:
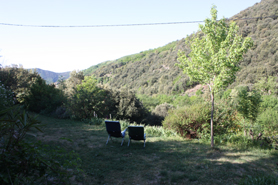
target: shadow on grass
<point>163,161</point>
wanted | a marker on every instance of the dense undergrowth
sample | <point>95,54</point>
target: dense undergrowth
<point>25,160</point>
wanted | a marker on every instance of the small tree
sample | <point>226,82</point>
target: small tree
<point>76,77</point>
<point>215,54</point>
<point>89,99</point>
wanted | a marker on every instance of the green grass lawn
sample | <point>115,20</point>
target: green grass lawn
<point>164,160</point>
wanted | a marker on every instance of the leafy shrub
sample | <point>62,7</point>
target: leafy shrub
<point>226,123</point>
<point>76,77</point>
<point>18,80</point>
<point>43,98</point>
<point>247,103</point>
<point>269,101</point>
<point>181,100</point>
<point>126,106</point>
<point>89,100</point>
<point>268,120</point>
<point>186,121</point>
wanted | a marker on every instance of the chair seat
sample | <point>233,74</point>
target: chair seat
<point>113,129</point>
<point>136,133</point>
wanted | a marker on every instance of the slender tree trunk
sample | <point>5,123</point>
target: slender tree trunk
<point>211,119</point>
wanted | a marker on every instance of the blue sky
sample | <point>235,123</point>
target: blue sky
<point>67,49</point>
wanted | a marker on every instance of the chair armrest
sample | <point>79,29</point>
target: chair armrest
<point>123,132</point>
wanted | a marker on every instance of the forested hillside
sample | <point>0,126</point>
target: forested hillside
<point>154,71</point>
<point>148,72</point>
<point>262,59</point>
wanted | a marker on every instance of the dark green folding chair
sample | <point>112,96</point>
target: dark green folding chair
<point>136,133</point>
<point>113,129</point>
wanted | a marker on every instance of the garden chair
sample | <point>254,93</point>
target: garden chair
<point>136,133</point>
<point>113,129</point>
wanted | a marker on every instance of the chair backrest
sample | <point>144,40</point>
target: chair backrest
<point>113,128</point>
<point>136,132</point>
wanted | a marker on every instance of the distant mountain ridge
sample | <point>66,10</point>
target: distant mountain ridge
<point>49,76</point>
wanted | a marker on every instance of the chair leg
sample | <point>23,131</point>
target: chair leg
<point>108,139</point>
<point>128,142</point>
<point>144,143</point>
<point>122,141</point>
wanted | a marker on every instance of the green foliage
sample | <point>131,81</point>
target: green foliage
<point>267,86</point>
<point>267,121</point>
<point>24,162</point>
<point>158,114</point>
<point>151,131</point>
<point>180,101</point>
<point>89,100</point>
<point>61,83</point>
<point>18,80</point>
<point>75,78</point>
<point>260,61</point>
<point>146,72</point>
<point>92,69</point>
<point>269,101</point>
<point>42,98</point>
<point>226,123</point>
<point>226,94</point>
<point>199,92</point>
<point>187,120</point>
<point>248,103</point>
<point>163,98</point>
<point>149,102</point>
<point>6,97</point>
<point>127,106</point>
<point>215,53</point>
<point>162,110</point>
<point>31,90</point>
